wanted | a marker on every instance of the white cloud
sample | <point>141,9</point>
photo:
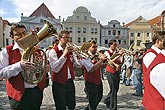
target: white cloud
<point>13,20</point>
<point>103,10</point>
<point>2,12</point>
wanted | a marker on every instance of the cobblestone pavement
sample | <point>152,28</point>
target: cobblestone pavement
<point>125,100</point>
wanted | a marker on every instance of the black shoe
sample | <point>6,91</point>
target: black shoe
<point>137,95</point>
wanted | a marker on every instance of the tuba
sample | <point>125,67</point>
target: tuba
<point>35,55</point>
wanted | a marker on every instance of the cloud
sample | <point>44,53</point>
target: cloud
<point>103,10</point>
<point>2,12</point>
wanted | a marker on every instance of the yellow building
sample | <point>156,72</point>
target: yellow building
<point>140,32</point>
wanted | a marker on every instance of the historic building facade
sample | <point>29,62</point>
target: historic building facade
<point>5,38</point>
<point>37,19</point>
<point>1,32</point>
<point>114,31</point>
<point>140,32</point>
<point>82,26</point>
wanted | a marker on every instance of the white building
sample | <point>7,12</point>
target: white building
<point>82,26</point>
<point>37,19</point>
<point>114,31</point>
<point>5,38</point>
<point>1,32</point>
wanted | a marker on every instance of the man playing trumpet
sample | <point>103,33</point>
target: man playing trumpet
<point>113,75</point>
<point>61,61</point>
<point>92,76</point>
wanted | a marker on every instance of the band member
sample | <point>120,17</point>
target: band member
<point>155,90</point>
<point>113,76</point>
<point>61,61</point>
<point>92,76</point>
<point>147,60</point>
<point>22,95</point>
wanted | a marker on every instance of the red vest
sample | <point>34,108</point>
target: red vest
<point>152,99</point>
<point>112,69</point>
<point>93,77</point>
<point>62,76</point>
<point>144,67</point>
<point>15,85</point>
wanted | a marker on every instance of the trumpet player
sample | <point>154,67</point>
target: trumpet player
<point>22,95</point>
<point>92,76</point>
<point>61,60</point>
<point>113,76</point>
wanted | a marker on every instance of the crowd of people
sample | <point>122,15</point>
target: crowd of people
<point>139,69</point>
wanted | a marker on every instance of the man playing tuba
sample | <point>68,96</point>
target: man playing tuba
<point>22,95</point>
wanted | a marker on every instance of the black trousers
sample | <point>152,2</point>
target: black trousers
<point>95,94</point>
<point>64,95</point>
<point>31,100</point>
<point>111,98</point>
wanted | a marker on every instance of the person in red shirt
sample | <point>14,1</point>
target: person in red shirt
<point>92,76</point>
<point>22,95</point>
<point>113,76</point>
<point>61,60</point>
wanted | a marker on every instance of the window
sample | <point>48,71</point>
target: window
<point>124,42</point>
<point>70,29</point>
<point>118,32</point>
<point>66,28</point>
<point>109,32</point>
<point>132,34</point>
<point>95,30</point>
<point>148,34</point>
<point>84,39</point>
<point>119,42</point>
<point>96,39</point>
<point>41,20</point>
<point>78,17</point>
<point>84,30</point>
<point>85,17</point>
<point>7,41</point>
<point>131,41</point>
<point>113,25</point>
<point>105,41</point>
<point>138,34</point>
<point>138,42</point>
<point>92,30</point>
<point>78,30</point>
<point>79,40</point>
<point>114,32</point>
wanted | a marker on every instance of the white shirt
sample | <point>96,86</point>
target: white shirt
<point>57,63</point>
<point>128,60</point>
<point>87,63</point>
<point>149,57</point>
<point>157,77</point>
<point>7,71</point>
<point>107,54</point>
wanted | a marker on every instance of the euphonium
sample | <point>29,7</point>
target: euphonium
<point>32,54</point>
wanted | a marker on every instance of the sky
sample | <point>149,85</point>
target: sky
<point>103,10</point>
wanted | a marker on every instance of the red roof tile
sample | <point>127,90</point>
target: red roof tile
<point>155,20</point>
<point>42,10</point>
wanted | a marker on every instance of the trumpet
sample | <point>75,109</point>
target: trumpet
<point>126,51</point>
<point>111,61</point>
<point>80,51</point>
